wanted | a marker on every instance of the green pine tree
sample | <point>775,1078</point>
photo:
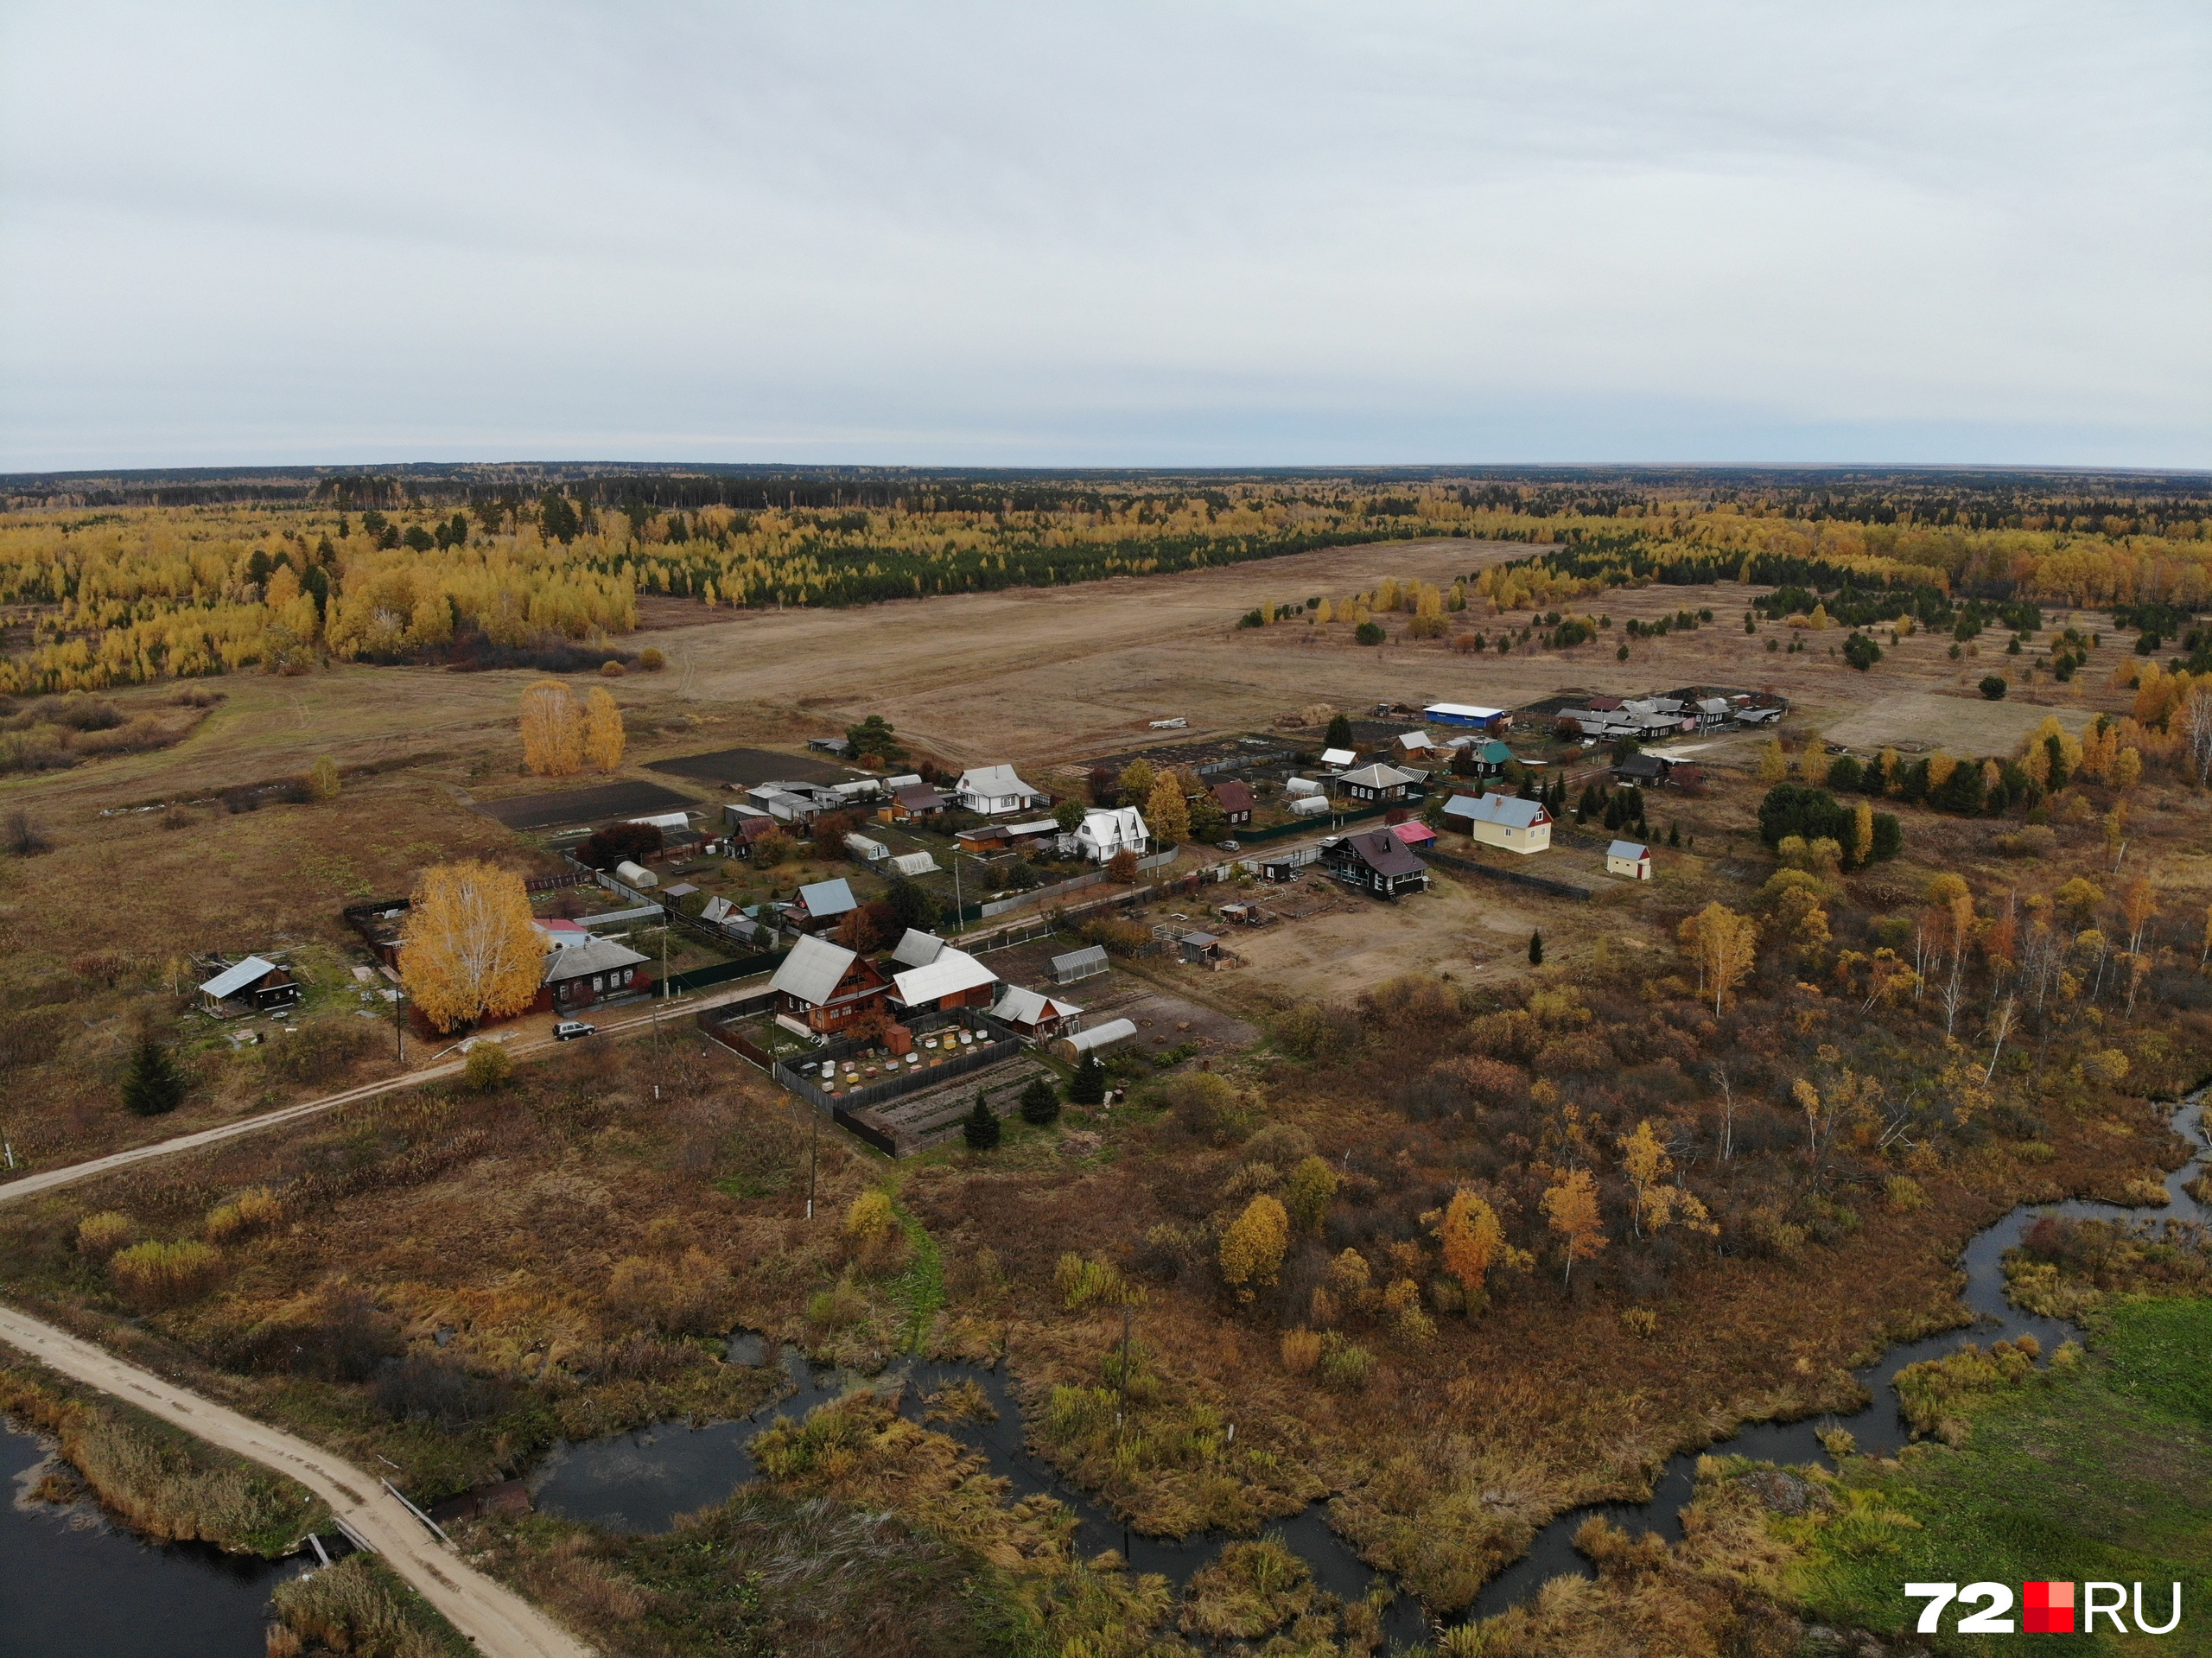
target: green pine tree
<point>1040,1104</point>
<point>981,1127</point>
<point>1536,949</point>
<point>1088,1087</point>
<point>1339,732</point>
<point>153,1086</point>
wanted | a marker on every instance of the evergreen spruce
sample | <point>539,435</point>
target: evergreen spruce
<point>1040,1103</point>
<point>1338,734</point>
<point>153,1086</point>
<point>1088,1087</point>
<point>1674,835</point>
<point>1536,949</point>
<point>981,1127</point>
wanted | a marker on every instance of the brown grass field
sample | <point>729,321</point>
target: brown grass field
<point>583,1234</point>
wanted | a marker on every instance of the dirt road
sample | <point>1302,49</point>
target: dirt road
<point>498,1621</point>
<point>46,1179</point>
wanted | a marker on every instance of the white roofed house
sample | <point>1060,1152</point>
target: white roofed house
<point>952,978</point>
<point>1034,1013</point>
<point>1107,831</point>
<point>252,986</point>
<point>1378,782</point>
<point>1503,821</point>
<point>991,790</point>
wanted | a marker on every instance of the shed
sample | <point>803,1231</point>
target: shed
<point>1338,757</point>
<point>1630,859</point>
<point>1095,1039</point>
<point>1465,714</point>
<point>1034,1013</point>
<point>1414,835</point>
<point>1199,948</point>
<point>1077,964</point>
<point>911,803</point>
<point>253,984</point>
<point>983,838</point>
<point>836,746</point>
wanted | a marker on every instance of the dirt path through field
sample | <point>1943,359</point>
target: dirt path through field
<point>498,1621</point>
<point>69,1174</point>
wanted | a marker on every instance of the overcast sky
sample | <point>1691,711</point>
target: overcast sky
<point>1134,234</point>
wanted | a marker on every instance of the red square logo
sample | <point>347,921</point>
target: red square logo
<point>2047,1609</point>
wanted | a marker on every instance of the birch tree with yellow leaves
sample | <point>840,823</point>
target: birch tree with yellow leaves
<point>467,951</point>
<point>1571,1206</point>
<point>604,739</point>
<point>1724,945</point>
<point>552,730</point>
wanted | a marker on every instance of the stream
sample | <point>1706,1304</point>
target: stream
<point>640,1482</point>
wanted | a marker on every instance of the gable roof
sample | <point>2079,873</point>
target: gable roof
<point>1632,850</point>
<point>1460,711</point>
<point>231,979</point>
<point>1642,765</point>
<point>813,970</point>
<point>1379,776</point>
<point>824,899</point>
<point>918,797</point>
<point>1233,797</point>
<point>1509,810</point>
<point>953,970</point>
<point>993,780</point>
<point>1089,956</point>
<point>1495,753</point>
<point>1018,1007</point>
<point>917,948</point>
<point>1414,834</point>
<point>1415,739</point>
<point>1384,853</point>
<point>1338,756</point>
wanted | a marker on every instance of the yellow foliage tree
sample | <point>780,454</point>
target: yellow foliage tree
<point>1862,835</point>
<point>1571,1205</point>
<point>552,730</point>
<point>468,951</point>
<point>1724,945</point>
<point>1473,1241</point>
<point>1326,612</point>
<point>1252,1249</point>
<point>604,739</point>
<point>1774,764</point>
<point>1136,782</point>
<point>322,779</point>
<point>1166,813</point>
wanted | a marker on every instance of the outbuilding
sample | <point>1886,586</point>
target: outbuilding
<point>1094,1040</point>
<point>1629,859</point>
<point>253,986</point>
<point>1034,1015</point>
<point>1079,964</point>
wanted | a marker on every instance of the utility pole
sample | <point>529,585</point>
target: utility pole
<point>398,1026</point>
<point>813,1156</point>
<point>959,909</point>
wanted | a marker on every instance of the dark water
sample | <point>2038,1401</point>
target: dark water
<point>1877,1428</point>
<point>74,1586</point>
<point>641,1482</point>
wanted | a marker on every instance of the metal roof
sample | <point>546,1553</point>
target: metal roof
<point>1077,961</point>
<point>1018,1005</point>
<point>1460,711</point>
<point>1379,776</point>
<point>812,970</point>
<point>824,899</point>
<point>231,979</point>
<point>917,948</point>
<point>1338,756</point>
<point>1630,850</point>
<point>1505,810</point>
<point>1385,854</point>
<point>954,970</point>
<point>594,955</point>
<point>993,781</point>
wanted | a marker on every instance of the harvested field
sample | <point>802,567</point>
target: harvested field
<point>1919,722</point>
<point>593,805</point>
<point>751,767</point>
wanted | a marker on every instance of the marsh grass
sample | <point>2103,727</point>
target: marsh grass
<point>359,1607</point>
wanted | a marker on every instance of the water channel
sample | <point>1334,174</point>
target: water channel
<point>74,1586</point>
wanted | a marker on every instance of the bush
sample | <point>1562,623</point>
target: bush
<point>101,1234</point>
<point>487,1066</point>
<point>1369,633</point>
<point>1040,1102</point>
<point>163,1274</point>
<point>358,1606</point>
<point>334,1333</point>
<point>322,779</point>
<point>1344,1364</point>
<point>618,843</point>
<point>612,670</point>
<point>256,1210</point>
<point>22,836</point>
<point>1301,1350</point>
<point>1861,652</point>
<point>1993,687</point>
<point>650,659</point>
<point>153,1086</point>
<point>423,1387</point>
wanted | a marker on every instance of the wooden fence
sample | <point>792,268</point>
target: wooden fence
<point>1517,878</point>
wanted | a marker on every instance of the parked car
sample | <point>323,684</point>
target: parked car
<point>1227,846</point>
<point>569,1029</point>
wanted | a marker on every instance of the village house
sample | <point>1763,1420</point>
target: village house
<point>1378,782</point>
<point>990,791</point>
<point>1643,769</point>
<point>820,903</point>
<point>1107,831</point>
<point>914,802</point>
<point>1377,861</point>
<point>984,838</point>
<point>1488,759</point>
<point>586,970</point>
<point>253,986</point>
<point>1629,859</point>
<point>1235,800</point>
<point>1033,1015</point>
<point>951,978</point>
<point>1413,745</point>
<point>823,987</point>
<point>1503,821</point>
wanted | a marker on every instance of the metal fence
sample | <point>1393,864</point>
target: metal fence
<point>1541,883</point>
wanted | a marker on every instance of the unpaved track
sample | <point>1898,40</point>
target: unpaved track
<point>498,1621</point>
<point>68,1174</point>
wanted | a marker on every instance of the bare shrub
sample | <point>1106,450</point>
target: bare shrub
<point>427,1387</point>
<point>23,836</point>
